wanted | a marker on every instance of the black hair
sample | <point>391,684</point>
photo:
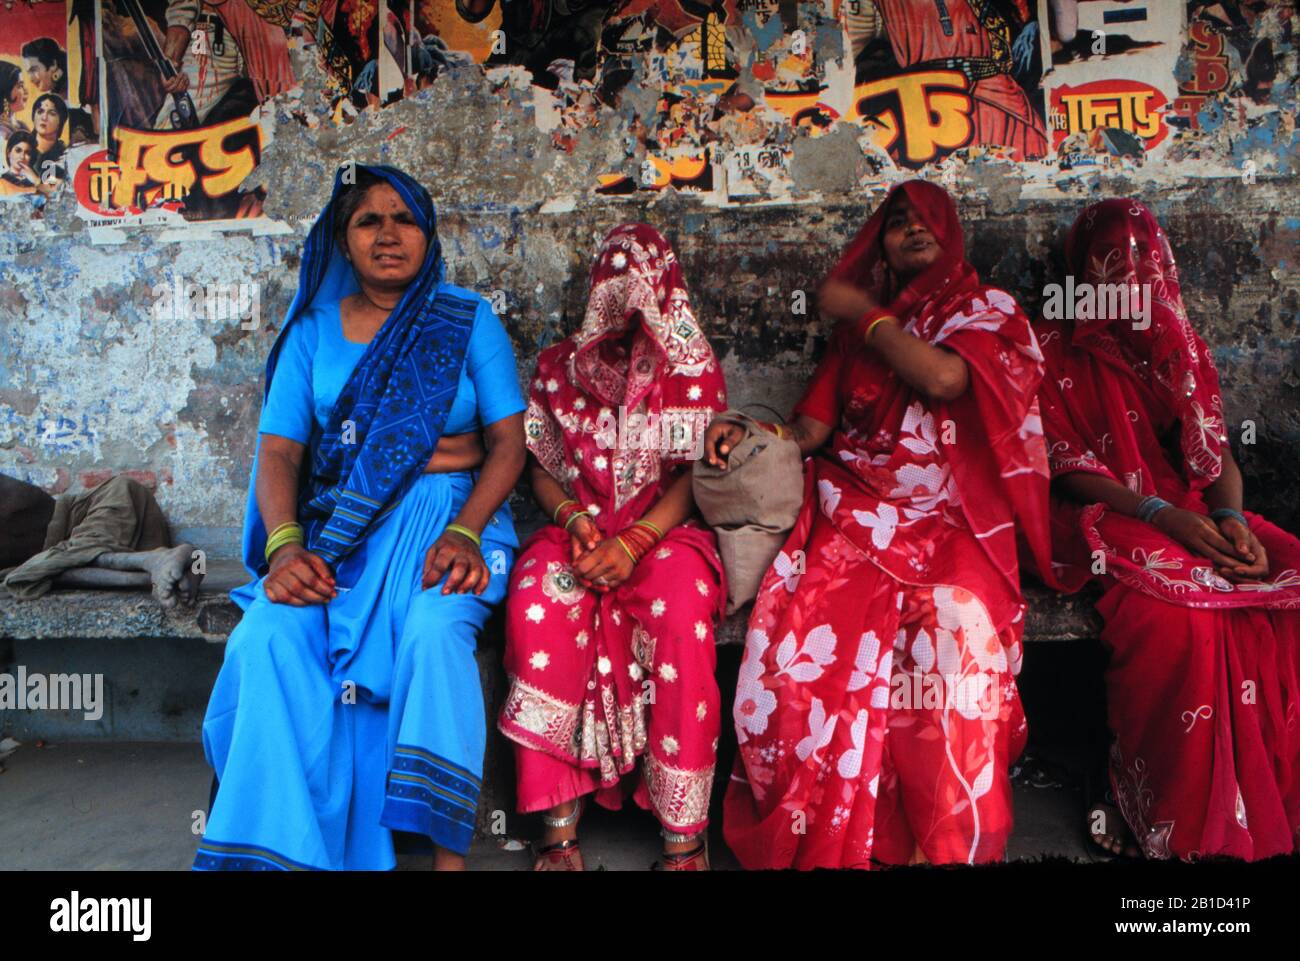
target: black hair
<point>50,54</point>
<point>17,137</point>
<point>60,108</point>
<point>349,200</point>
<point>10,77</point>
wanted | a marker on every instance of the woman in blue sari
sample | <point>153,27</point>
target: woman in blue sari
<point>348,705</point>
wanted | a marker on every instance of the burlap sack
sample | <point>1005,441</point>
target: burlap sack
<point>752,505</point>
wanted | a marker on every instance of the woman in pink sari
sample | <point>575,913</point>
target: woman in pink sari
<point>877,710</point>
<point>611,609</point>
<point>1199,596</point>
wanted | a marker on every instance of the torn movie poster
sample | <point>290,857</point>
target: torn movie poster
<point>1110,77</point>
<point>183,81</point>
<point>934,77</point>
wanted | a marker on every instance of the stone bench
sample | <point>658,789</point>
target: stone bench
<point>157,681</point>
<point>110,615</point>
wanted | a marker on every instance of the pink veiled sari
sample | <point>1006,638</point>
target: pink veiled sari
<point>599,680</point>
<point>1202,682</point>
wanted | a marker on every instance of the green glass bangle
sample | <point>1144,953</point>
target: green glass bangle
<point>574,516</point>
<point>650,526</point>
<point>461,529</point>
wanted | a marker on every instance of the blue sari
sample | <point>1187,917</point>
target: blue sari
<point>330,726</point>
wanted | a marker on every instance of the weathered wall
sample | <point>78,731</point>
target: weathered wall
<point>93,383</point>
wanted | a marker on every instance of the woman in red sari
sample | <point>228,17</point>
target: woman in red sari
<point>876,710</point>
<point>610,615</point>
<point>1199,595</point>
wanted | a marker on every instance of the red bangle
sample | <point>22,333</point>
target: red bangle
<point>567,511</point>
<point>637,540</point>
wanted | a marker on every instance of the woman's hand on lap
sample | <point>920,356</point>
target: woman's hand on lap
<point>584,536</point>
<point>1198,534</point>
<point>298,577</point>
<point>461,560</point>
<point>604,567</point>
<point>1253,562</point>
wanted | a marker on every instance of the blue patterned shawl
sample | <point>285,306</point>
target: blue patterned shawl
<point>397,399</point>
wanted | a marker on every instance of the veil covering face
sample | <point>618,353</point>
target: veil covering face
<point>639,351</point>
<point>1120,242</point>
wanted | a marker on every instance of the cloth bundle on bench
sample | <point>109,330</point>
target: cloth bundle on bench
<point>752,505</point>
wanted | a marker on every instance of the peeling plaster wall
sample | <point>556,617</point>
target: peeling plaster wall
<point>92,384</point>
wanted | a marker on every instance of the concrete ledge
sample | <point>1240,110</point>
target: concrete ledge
<point>112,615</point>
<point>135,614</point>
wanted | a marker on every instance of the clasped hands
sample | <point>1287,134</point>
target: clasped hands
<point>1236,552</point>
<point>599,563</point>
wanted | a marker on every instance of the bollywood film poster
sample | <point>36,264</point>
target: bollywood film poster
<point>48,93</point>
<point>924,78</point>
<point>182,84</point>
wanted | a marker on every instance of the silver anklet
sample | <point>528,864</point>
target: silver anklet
<point>568,819</point>
<point>673,837</point>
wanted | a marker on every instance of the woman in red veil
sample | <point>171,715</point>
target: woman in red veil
<point>1200,596</point>
<point>877,711</point>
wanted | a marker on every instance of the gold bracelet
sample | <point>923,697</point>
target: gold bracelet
<point>286,524</point>
<point>273,546</point>
<point>574,516</point>
<point>555,514</point>
<point>779,431</point>
<point>461,529</point>
<point>872,326</point>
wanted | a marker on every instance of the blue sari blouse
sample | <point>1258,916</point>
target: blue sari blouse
<point>316,361</point>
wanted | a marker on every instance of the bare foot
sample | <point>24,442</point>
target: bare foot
<point>174,580</point>
<point>171,570</point>
<point>1110,832</point>
<point>444,860</point>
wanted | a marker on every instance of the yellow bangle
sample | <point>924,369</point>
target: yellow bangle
<point>872,326</point>
<point>284,537</point>
<point>779,430</point>
<point>287,533</point>
<point>626,550</point>
<point>460,529</point>
<point>555,514</point>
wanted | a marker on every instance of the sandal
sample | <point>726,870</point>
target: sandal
<point>559,853</point>
<point>696,859</point>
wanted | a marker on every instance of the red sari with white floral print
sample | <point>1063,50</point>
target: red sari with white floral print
<point>599,680</point>
<point>877,711</point>
<point>1202,690</point>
